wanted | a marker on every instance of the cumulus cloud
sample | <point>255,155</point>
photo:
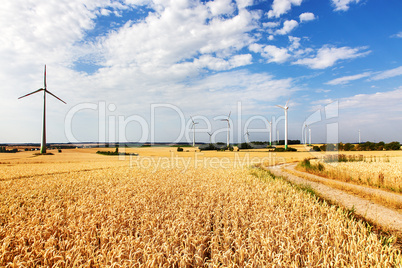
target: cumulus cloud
<point>288,26</point>
<point>347,79</point>
<point>343,5</point>
<point>274,54</point>
<point>295,43</point>
<point>388,74</point>
<point>308,16</point>
<point>327,56</point>
<point>280,7</point>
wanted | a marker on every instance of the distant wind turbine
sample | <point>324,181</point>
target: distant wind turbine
<point>210,137</point>
<point>359,137</point>
<point>247,136</point>
<point>270,133</point>
<point>44,89</point>
<point>228,128</point>
<point>193,127</point>
<point>286,122</point>
<point>305,134</point>
<point>277,137</point>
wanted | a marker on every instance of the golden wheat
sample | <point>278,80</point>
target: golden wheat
<point>177,217</point>
<point>374,173</point>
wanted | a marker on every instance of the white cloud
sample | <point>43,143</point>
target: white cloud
<point>295,43</point>
<point>280,7</point>
<point>308,16</point>
<point>388,74</point>
<point>398,35</point>
<point>288,26</point>
<point>275,54</point>
<point>347,79</point>
<point>343,5</point>
<point>327,56</point>
<point>388,101</point>
<point>221,7</point>
<point>270,24</point>
<point>271,53</point>
<point>219,64</point>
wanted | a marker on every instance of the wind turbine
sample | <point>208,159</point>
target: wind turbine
<point>247,136</point>
<point>193,127</point>
<point>210,136</point>
<point>277,137</point>
<point>270,133</point>
<point>286,122</point>
<point>44,89</point>
<point>359,137</point>
<point>305,134</point>
<point>228,127</point>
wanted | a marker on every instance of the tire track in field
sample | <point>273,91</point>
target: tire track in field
<point>382,216</point>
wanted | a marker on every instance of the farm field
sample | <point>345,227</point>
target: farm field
<point>376,169</point>
<point>165,209</point>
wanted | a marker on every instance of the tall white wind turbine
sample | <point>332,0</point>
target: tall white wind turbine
<point>44,89</point>
<point>193,127</point>
<point>285,108</point>
<point>270,133</point>
<point>228,141</point>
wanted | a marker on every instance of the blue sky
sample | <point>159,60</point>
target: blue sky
<point>137,70</point>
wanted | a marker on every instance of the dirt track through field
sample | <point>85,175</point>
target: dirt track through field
<point>382,216</point>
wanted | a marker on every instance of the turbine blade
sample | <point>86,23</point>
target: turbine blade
<point>192,119</point>
<point>31,93</point>
<point>280,106</point>
<point>47,91</point>
<point>224,120</point>
<point>287,103</point>
<point>229,113</point>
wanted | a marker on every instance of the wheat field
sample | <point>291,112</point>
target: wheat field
<point>122,215</point>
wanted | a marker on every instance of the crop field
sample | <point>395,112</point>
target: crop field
<point>374,170</point>
<point>95,211</point>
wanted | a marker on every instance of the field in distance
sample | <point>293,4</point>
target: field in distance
<point>165,208</point>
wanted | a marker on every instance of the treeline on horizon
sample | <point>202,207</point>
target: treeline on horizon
<point>367,146</point>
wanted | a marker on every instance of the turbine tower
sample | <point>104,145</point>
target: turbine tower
<point>309,136</point>
<point>285,108</point>
<point>359,137</point>
<point>44,89</point>
<point>193,127</point>
<point>228,142</point>
<point>277,137</point>
<point>247,136</point>
<point>270,133</point>
<point>305,134</point>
